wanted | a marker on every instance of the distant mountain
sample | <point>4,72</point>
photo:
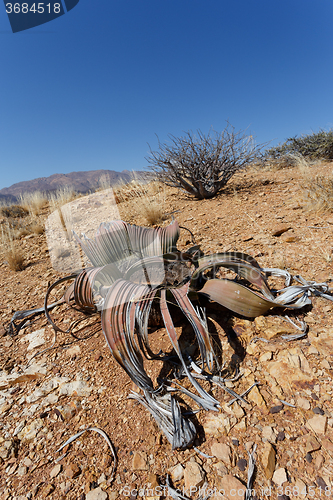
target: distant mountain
<point>79,181</point>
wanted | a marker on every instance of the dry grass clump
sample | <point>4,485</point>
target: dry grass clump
<point>33,202</point>
<point>318,194</point>
<point>149,199</point>
<point>12,253</point>
<point>61,196</point>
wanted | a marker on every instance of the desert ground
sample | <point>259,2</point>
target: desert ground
<point>288,416</point>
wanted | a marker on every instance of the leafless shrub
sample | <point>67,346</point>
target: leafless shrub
<point>203,164</point>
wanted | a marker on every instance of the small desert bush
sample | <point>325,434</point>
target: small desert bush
<point>315,146</point>
<point>13,211</point>
<point>12,253</point>
<point>33,202</point>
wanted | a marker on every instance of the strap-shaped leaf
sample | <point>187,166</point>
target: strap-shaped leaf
<point>237,297</point>
<point>118,242</point>
<point>198,325</point>
<point>118,323</point>
<point>244,265</point>
<point>206,400</point>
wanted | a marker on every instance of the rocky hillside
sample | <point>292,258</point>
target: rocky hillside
<point>81,182</point>
<point>286,420</point>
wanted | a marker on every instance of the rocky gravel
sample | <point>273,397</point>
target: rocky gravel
<point>48,395</point>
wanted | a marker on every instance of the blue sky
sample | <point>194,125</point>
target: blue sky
<point>90,89</point>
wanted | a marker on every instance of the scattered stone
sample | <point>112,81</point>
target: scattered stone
<point>233,488</point>
<point>33,372</point>
<point>242,464</point>
<point>255,397</point>
<point>55,471</point>
<point>47,490</point>
<point>152,481</point>
<point>280,476</point>
<point>267,356</point>
<point>222,451</point>
<point>303,403</point>
<point>301,488</point>
<point>235,442</point>
<point>177,473</point>
<point>281,436</point>
<point>221,469</point>
<point>269,433</point>
<point>96,494</point>
<point>319,461</point>
<point>8,449</point>
<point>276,409</point>
<point>268,460</point>
<point>139,461</point>
<point>35,339</point>
<point>308,458</point>
<point>194,475</point>
<point>312,444</point>
<point>72,470</point>
<point>218,425</point>
<point>327,444</point>
<point>68,411</point>
<point>73,351</point>
<point>29,432</point>
<point>317,424</point>
<point>318,411</point>
<point>321,483</point>
<point>282,228</point>
<point>77,388</point>
<point>21,471</point>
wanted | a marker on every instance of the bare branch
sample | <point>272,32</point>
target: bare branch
<point>203,164</point>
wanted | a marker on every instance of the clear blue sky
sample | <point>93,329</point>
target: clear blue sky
<point>90,89</point>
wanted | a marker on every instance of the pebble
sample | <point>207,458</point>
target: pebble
<point>242,464</point>
<point>281,436</point>
<point>234,489</point>
<point>268,460</point>
<point>269,434</point>
<point>139,461</point>
<point>72,470</point>
<point>222,451</point>
<point>318,411</point>
<point>194,475</point>
<point>276,409</point>
<point>317,424</point>
<point>303,403</point>
<point>55,471</point>
<point>280,476</point>
<point>96,494</point>
<point>29,432</point>
<point>312,444</point>
<point>177,473</point>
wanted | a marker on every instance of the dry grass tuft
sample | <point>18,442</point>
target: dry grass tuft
<point>61,196</point>
<point>12,253</point>
<point>33,202</point>
<point>149,199</point>
<point>318,194</point>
